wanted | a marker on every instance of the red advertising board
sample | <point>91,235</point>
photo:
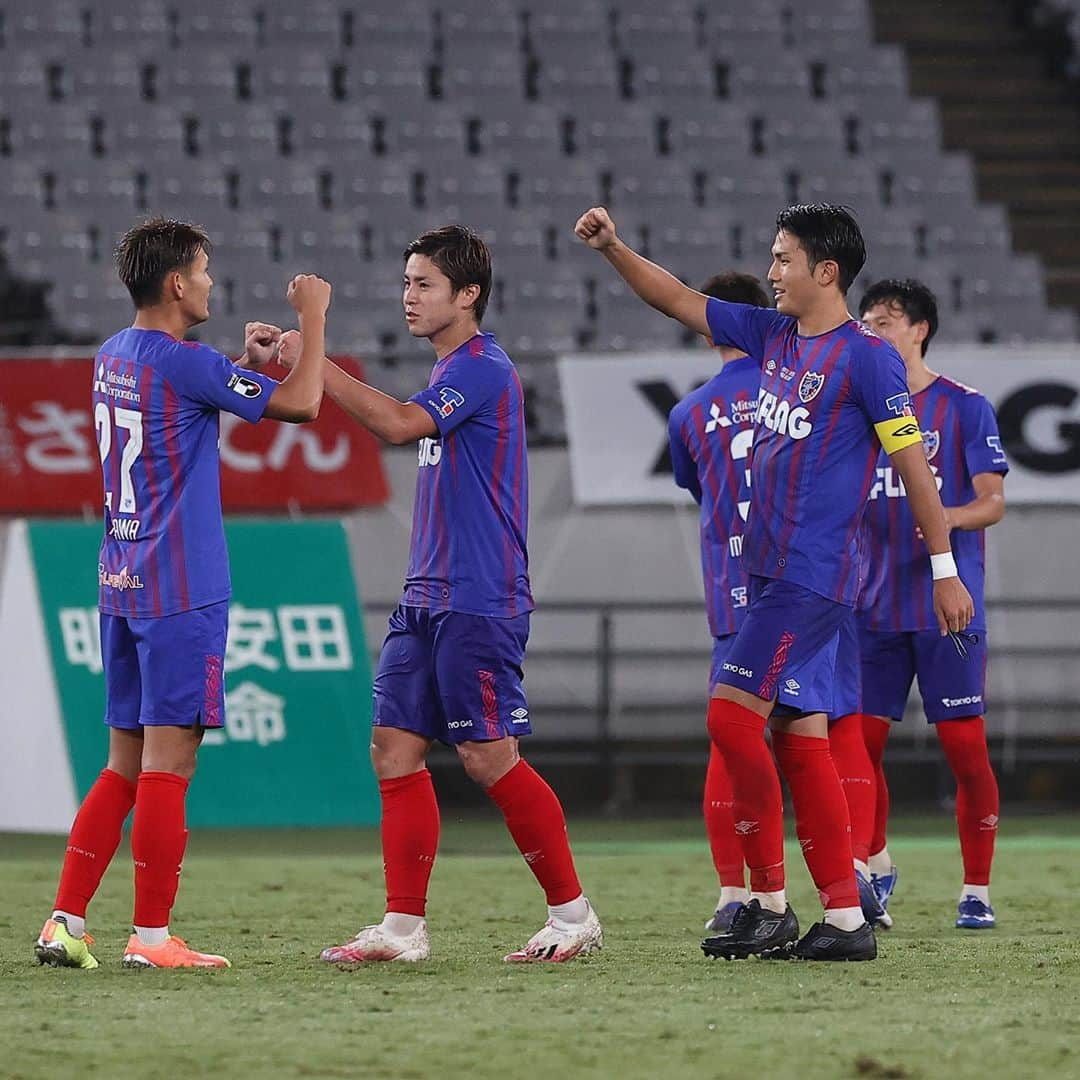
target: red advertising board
<point>49,456</point>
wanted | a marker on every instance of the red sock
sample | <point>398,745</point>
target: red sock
<point>876,735</point>
<point>536,821</point>
<point>94,838</point>
<point>158,840</point>
<point>410,839</point>
<point>857,776</point>
<point>719,807</point>
<point>964,743</point>
<point>738,734</point>
<point>821,816</point>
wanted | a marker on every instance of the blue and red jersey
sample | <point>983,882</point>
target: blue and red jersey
<point>826,405</point>
<point>470,517</point>
<point>710,432</point>
<point>156,403</point>
<point>960,436</point>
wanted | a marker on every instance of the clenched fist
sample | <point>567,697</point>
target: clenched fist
<point>260,343</point>
<point>596,228</point>
<point>290,347</point>
<point>308,294</point>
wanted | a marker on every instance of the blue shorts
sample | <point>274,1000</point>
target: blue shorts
<point>786,650</point>
<point>453,677</point>
<point>167,671</point>
<point>952,686</point>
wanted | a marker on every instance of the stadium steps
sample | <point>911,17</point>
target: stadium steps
<point>981,64</point>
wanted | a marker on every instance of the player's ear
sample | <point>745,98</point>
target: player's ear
<point>469,295</point>
<point>827,272</point>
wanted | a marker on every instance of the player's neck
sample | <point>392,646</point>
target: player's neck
<point>727,354</point>
<point>919,376</point>
<point>829,316</point>
<point>164,317</point>
<point>452,337</point>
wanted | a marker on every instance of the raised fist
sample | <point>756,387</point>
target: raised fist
<point>596,228</point>
<point>308,294</point>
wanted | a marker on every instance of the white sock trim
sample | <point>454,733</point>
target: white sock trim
<point>732,894</point>
<point>152,935</point>
<point>844,918</point>
<point>771,901</point>
<point>881,862</point>
<point>980,892</point>
<point>400,925</point>
<point>76,924</point>
<point>576,911</point>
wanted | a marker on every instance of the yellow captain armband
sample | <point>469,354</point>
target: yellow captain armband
<point>898,432</point>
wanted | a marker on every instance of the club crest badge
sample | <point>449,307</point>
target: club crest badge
<point>931,443</point>
<point>810,386</point>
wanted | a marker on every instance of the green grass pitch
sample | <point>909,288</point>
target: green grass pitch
<point>938,1003</point>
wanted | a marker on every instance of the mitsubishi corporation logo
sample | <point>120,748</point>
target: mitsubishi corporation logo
<point>716,419</point>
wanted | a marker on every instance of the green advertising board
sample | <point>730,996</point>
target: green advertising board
<point>294,748</point>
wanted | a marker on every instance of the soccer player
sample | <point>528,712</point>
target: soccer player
<point>451,665</point>
<point>710,432</point>
<point>830,391</point>
<point>163,572</point>
<point>898,640</point>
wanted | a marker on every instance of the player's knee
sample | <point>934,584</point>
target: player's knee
<point>486,763</point>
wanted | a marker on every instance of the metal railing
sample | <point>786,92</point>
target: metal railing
<point>605,747</point>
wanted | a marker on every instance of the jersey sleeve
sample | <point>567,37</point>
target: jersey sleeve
<point>983,452</point>
<point>466,386</point>
<point>741,326</point>
<point>210,380</point>
<point>682,464</point>
<point>879,386</point>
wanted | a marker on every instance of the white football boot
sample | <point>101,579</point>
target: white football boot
<point>560,941</point>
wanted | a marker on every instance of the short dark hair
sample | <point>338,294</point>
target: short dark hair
<point>912,297</point>
<point>151,250</point>
<point>736,288</point>
<point>826,231</point>
<point>462,256</point>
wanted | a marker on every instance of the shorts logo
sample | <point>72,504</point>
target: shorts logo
<point>449,400</point>
<point>211,713</point>
<point>490,702</point>
<point>931,443</point>
<point>453,725</point>
<point>956,702</point>
<point>520,716</point>
<point>745,673</point>
<point>767,690</point>
<point>247,388</point>
<point>792,687</point>
<point>810,386</point>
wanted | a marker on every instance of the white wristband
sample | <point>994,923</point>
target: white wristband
<point>943,566</point>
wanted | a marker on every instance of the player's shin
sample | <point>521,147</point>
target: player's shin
<point>875,735</point>
<point>410,840</point>
<point>158,840</point>
<point>858,779</point>
<point>719,812</point>
<point>977,804</point>
<point>738,735</point>
<point>822,824</point>
<point>94,838</point>
<point>537,823</point>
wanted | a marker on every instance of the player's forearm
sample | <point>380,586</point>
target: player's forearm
<point>381,414</point>
<point>302,390</point>
<point>980,513</point>
<point>657,287</point>
<point>923,498</point>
